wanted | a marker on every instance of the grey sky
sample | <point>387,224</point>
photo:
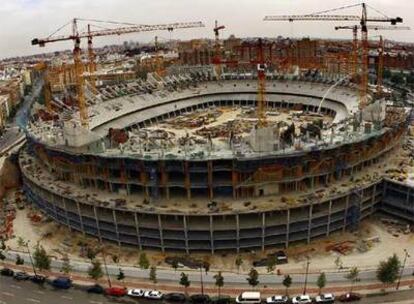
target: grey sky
<point>22,20</point>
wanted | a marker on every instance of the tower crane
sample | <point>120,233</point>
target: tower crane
<point>217,55</point>
<point>363,19</point>
<point>76,37</point>
<point>354,61</point>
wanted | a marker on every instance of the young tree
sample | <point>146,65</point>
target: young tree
<point>95,271</point>
<point>19,260</point>
<point>388,270</point>
<point>338,263</point>
<point>41,259</point>
<point>153,274</point>
<point>66,267</point>
<point>2,256</point>
<point>115,259</point>
<point>287,282</point>
<point>2,245</point>
<point>21,242</point>
<point>174,264</point>
<point>271,263</point>
<point>184,281</point>
<point>90,253</point>
<point>206,266</point>
<point>353,276</point>
<point>121,275</point>
<point>321,281</point>
<point>143,261</point>
<point>219,281</point>
<point>238,262</point>
<point>253,278</point>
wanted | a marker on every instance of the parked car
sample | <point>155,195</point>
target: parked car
<point>281,257</point>
<point>175,297</point>
<point>153,294</point>
<point>136,293</point>
<point>7,272</point>
<point>116,291</point>
<point>222,300</point>
<point>249,297</point>
<point>277,300</point>
<point>62,283</point>
<point>38,279</point>
<point>302,299</point>
<point>200,299</point>
<point>325,298</point>
<point>98,289</point>
<point>349,297</point>
<point>21,276</point>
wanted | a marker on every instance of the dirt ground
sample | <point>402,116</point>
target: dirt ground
<point>381,241</point>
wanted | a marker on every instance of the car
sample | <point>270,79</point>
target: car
<point>137,293</point>
<point>153,294</point>
<point>281,257</point>
<point>175,297</point>
<point>62,283</point>
<point>7,272</point>
<point>116,291</point>
<point>98,289</point>
<point>277,300</point>
<point>21,276</point>
<point>249,297</point>
<point>325,298</point>
<point>349,297</point>
<point>38,279</point>
<point>200,299</point>
<point>302,299</point>
<point>222,300</point>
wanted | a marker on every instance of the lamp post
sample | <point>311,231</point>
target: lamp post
<point>402,268</point>
<point>306,275</point>
<point>30,256</point>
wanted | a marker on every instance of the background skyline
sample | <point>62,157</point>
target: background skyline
<point>24,20</point>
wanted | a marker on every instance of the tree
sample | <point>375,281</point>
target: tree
<point>20,242</point>
<point>321,281</point>
<point>174,264</point>
<point>238,262</point>
<point>19,260</point>
<point>219,281</point>
<point>66,267</point>
<point>253,278</point>
<point>287,282</point>
<point>120,275</point>
<point>388,270</point>
<point>95,270</point>
<point>2,245</point>
<point>115,259</point>
<point>153,274</point>
<point>353,276</point>
<point>184,281</point>
<point>143,261</point>
<point>41,259</point>
<point>271,263</point>
<point>206,266</point>
<point>338,263</point>
<point>90,253</point>
<point>2,256</point>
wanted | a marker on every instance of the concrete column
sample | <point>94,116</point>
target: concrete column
<point>80,217</point>
<point>116,226</point>
<point>66,214</point>
<point>310,222</point>
<point>238,233</point>
<point>137,230</point>
<point>160,230</point>
<point>97,223</point>
<point>346,211</point>
<point>187,249</point>
<point>374,191</point>
<point>263,230</point>
<point>287,227</point>
<point>328,227</point>
<point>211,235</point>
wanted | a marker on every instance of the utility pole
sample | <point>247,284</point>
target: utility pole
<point>106,268</point>
<point>30,256</point>
<point>306,275</point>
<point>402,268</point>
<point>201,279</point>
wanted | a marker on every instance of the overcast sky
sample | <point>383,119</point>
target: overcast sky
<point>22,20</point>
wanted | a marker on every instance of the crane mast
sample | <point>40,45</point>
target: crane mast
<point>217,50</point>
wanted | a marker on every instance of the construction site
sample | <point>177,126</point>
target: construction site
<point>251,152</point>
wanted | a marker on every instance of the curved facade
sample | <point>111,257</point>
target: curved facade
<point>64,182</point>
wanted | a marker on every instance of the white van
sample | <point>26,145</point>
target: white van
<point>249,297</point>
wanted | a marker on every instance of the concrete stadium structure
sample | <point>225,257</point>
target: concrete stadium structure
<point>212,199</point>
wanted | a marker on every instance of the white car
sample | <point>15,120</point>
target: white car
<point>138,293</point>
<point>153,294</point>
<point>325,298</point>
<point>277,300</point>
<point>302,299</point>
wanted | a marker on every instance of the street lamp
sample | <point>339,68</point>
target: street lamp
<point>30,256</point>
<point>306,275</point>
<point>402,268</point>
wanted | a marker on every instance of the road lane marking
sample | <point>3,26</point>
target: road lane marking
<point>33,300</point>
<point>7,294</point>
<point>66,297</point>
<point>15,286</point>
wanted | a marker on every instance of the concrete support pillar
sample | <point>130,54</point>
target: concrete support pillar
<point>374,192</point>
<point>310,222</point>
<point>116,227</point>
<point>346,211</point>
<point>161,234</point>
<point>263,230</point>
<point>80,217</point>
<point>66,214</point>
<point>187,249</point>
<point>211,234</point>
<point>328,227</point>
<point>95,212</point>
<point>137,230</point>
<point>238,233</point>
<point>287,227</point>
<point>210,179</point>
